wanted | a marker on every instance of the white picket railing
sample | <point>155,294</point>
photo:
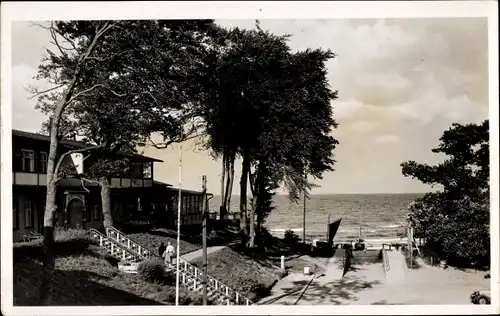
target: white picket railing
<point>190,275</point>
<point>114,248</point>
<point>127,242</point>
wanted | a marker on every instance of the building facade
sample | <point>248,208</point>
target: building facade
<point>135,195</point>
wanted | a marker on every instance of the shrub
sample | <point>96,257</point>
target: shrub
<point>412,264</point>
<point>154,271</point>
<point>291,237</point>
<point>67,242</point>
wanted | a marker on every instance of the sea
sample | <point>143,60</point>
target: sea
<point>379,217</point>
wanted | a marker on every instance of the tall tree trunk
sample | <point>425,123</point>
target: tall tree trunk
<point>106,203</point>
<point>45,296</point>
<point>222,209</point>
<point>229,187</point>
<point>258,230</point>
<point>251,243</point>
<point>258,190</point>
<point>243,196</point>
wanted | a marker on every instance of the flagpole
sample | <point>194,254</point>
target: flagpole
<point>179,205</point>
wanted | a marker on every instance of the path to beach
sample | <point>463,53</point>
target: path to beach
<point>366,284</point>
<point>190,256</point>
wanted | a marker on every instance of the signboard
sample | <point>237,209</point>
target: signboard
<point>77,159</point>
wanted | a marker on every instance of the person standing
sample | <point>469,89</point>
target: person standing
<point>169,253</point>
<point>162,249</point>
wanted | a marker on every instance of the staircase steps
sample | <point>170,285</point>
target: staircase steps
<point>128,250</point>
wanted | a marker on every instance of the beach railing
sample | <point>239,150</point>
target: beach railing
<point>385,260</point>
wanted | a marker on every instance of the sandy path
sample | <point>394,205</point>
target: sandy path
<point>366,284</point>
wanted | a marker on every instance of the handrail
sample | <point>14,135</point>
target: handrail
<point>114,245</point>
<point>192,270</point>
<point>385,260</point>
<point>130,243</point>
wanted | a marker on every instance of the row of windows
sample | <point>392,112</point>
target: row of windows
<point>28,211</point>
<point>91,214</point>
<point>191,204</point>
<point>28,161</point>
<point>29,164</point>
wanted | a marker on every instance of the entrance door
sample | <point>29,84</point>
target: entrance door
<point>75,213</point>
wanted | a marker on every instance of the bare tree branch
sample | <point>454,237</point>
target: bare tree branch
<point>93,88</point>
<point>69,41</point>
<point>53,34</point>
<point>164,145</point>
<point>36,93</point>
<point>152,97</point>
<point>81,150</point>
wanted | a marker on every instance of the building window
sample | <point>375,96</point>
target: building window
<point>96,212</point>
<point>43,162</point>
<point>28,162</point>
<point>15,215</point>
<point>147,170</point>
<point>136,170</point>
<point>28,215</point>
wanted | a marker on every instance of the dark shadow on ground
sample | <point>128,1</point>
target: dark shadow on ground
<point>73,288</point>
<point>334,292</point>
<point>277,298</point>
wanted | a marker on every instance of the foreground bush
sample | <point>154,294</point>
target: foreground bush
<point>291,237</point>
<point>154,271</point>
<point>67,242</point>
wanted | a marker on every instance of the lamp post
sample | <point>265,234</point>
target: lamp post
<point>179,205</point>
<point>304,210</point>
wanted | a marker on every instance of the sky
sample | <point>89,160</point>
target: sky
<point>401,83</point>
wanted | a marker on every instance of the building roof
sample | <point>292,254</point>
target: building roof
<point>172,188</point>
<point>74,143</point>
<point>159,183</point>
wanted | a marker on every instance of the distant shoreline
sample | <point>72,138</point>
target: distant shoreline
<point>330,194</point>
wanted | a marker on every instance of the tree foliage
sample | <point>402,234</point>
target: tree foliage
<point>455,220</point>
<point>114,83</point>
<point>271,108</point>
<point>132,86</point>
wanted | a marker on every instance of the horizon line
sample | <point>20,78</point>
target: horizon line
<point>358,193</point>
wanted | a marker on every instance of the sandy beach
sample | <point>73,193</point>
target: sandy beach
<point>366,283</point>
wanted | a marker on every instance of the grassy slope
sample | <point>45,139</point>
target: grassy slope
<point>190,241</point>
<point>85,275</point>
<point>248,276</point>
<point>154,237</point>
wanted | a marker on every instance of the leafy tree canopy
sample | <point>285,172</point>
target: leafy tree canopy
<point>134,84</point>
<point>456,219</point>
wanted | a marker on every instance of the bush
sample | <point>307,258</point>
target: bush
<point>406,253</point>
<point>154,271</point>
<point>67,242</point>
<point>291,237</point>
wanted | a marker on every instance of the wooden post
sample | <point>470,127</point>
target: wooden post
<point>204,237</point>
<point>304,220</point>
<point>410,245</point>
<point>328,228</point>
